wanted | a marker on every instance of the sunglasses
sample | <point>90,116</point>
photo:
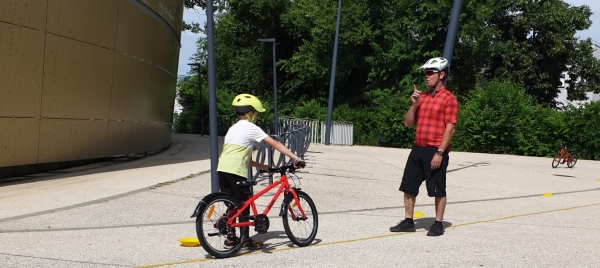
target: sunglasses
<point>430,72</point>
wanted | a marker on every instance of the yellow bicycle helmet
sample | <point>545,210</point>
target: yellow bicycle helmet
<point>244,103</point>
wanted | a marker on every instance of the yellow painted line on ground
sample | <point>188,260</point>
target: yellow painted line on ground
<point>373,237</point>
<point>524,215</point>
<point>175,263</point>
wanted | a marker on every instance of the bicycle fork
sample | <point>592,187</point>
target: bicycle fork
<point>286,203</point>
<point>284,206</point>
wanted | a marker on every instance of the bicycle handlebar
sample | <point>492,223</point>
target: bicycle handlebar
<point>285,169</point>
<point>282,170</point>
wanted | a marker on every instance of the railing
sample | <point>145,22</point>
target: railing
<point>341,133</point>
<point>312,125</point>
<point>297,135</point>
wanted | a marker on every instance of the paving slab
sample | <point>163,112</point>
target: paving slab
<point>132,214</point>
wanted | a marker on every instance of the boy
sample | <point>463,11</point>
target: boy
<point>237,154</point>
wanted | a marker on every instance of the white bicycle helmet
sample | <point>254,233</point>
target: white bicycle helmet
<point>438,63</point>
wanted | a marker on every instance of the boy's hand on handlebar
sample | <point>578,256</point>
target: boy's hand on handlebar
<point>299,163</point>
<point>268,170</point>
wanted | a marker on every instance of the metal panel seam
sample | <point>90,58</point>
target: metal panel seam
<point>157,17</point>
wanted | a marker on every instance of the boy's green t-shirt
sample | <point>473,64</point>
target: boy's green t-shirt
<point>237,147</point>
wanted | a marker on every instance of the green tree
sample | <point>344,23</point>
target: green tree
<point>382,43</point>
<point>533,43</point>
<point>188,121</point>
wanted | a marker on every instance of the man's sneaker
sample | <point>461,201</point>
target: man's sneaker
<point>403,226</point>
<point>436,229</point>
<point>252,244</point>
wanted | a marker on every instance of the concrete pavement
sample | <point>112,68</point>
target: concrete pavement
<point>132,214</point>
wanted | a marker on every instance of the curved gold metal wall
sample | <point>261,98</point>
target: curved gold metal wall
<point>83,79</point>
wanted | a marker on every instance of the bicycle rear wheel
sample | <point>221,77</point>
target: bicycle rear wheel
<point>301,231</point>
<point>218,239</point>
<point>556,161</point>
<point>572,160</point>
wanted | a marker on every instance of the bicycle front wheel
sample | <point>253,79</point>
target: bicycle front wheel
<point>556,161</point>
<point>215,236</point>
<point>301,230</point>
<point>572,160</point>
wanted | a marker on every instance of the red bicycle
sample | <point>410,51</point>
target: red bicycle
<point>217,213</point>
<point>564,156</point>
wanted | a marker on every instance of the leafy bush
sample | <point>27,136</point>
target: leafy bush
<point>542,132</point>
<point>498,118</point>
<point>492,118</point>
<point>311,110</point>
<point>583,130</point>
<point>501,118</point>
<point>388,108</point>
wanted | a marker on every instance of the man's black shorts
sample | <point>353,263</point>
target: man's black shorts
<point>418,169</point>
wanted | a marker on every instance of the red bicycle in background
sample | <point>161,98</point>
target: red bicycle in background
<point>564,156</point>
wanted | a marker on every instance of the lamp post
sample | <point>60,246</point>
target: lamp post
<point>275,115</point>
<point>212,97</point>
<point>451,35</point>
<point>332,80</point>
<point>197,65</point>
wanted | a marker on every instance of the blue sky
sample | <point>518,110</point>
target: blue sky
<point>188,39</point>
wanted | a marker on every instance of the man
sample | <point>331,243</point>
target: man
<point>435,113</point>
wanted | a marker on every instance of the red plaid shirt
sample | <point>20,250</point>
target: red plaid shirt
<point>432,115</point>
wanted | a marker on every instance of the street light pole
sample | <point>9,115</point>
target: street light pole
<point>451,35</point>
<point>197,65</point>
<point>332,80</point>
<point>275,114</point>
<point>212,97</point>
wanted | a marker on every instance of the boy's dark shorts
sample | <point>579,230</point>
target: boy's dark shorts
<point>418,169</point>
<point>227,184</point>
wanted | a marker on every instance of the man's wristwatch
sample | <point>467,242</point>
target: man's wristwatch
<point>439,152</point>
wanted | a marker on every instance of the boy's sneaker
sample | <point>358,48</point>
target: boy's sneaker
<point>231,242</point>
<point>252,244</point>
<point>403,226</point>
<point>436,229</point>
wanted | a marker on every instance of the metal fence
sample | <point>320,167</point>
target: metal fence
<point>297,135</point>
<point>341,133</point>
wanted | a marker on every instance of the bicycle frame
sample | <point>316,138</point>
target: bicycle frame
<point>564,154</point>
<point>285,185</point>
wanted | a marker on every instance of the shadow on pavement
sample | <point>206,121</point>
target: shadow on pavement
<point>425,223</point>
